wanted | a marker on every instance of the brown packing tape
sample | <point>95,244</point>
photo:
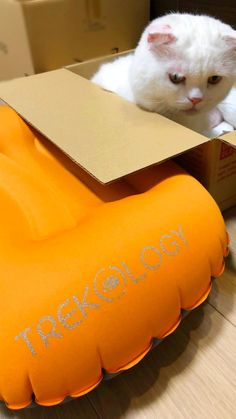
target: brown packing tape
<point>93,9</point>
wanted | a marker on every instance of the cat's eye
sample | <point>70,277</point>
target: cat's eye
<point>214,79</point>
<point>176,78</point>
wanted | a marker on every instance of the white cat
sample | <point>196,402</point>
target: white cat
<point>182,68</point>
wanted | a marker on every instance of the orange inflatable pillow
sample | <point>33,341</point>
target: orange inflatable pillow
<point>91,275</point>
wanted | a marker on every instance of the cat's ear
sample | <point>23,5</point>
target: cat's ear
<point>160,37</point>
<point>230,40</point>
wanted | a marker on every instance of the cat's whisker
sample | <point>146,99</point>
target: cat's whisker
<point>232,105</point>
<point>151,100</point>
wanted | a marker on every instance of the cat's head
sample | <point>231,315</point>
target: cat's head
<point>184,64</point>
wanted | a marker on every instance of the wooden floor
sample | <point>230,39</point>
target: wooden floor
<point>192,374</point>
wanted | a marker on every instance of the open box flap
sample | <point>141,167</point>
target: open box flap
<point>229,138</point>
<point>106,135</point>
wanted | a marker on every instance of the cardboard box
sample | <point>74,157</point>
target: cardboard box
<point>42,35</point>
<point>110,137</point>
<point>214,165</point>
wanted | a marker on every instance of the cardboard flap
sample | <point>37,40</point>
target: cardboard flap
<point>229,138</point>
<point>106,135</point>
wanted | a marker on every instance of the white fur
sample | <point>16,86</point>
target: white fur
<point>195,46</point>
<point>114,76</point>
<point>228,108</point>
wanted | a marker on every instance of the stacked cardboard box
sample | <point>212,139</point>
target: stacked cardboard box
<point>42,35</point>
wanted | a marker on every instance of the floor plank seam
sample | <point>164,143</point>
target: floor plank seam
<point>218,311</point>
<point>93,406</point>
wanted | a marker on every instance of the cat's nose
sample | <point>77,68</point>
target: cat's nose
<point>195,100</point>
